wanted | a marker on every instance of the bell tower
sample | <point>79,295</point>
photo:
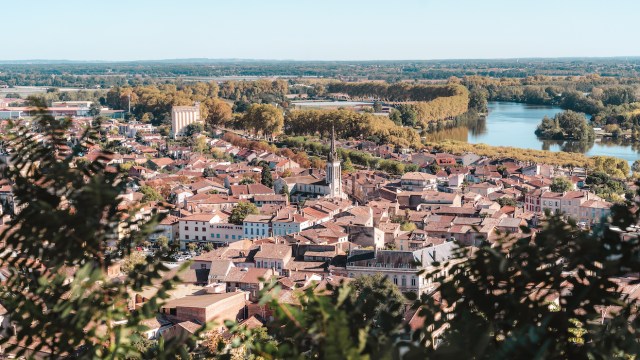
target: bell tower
<point>334,175</point>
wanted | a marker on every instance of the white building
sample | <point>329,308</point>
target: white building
<point>286,224</point>
<point>181,116</point>
<point>195,228</point>
<point>334,173</point>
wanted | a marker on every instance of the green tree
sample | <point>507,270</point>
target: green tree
<point>247,181</point>
<point>241,211</point>
<point>347,166</point>
<point>408,115</point>
<point>344,323</point>
<point>478,101</point>
<point>59,303</point>
<point>378,286</point>
<point>377,107</point>
<point>162,241</point>
<point>561,184</point>
<point>194,128</point>
<point>408,226</point>
<point>265,118</point>
<point>396,117</point>
<point>636,166</point>
<point>209,247</point>
<point>130,262</point>
<point>209,172</point>
<point>150,194</point>
<point>125,167</point>
<point>285,191</point>
<point>267,177</point>
<point>192,247</point>
<point>434,168</point>
<point>597,178</point>
<point>505,201</point>
<point>82,163</point>
<point>94,109</point>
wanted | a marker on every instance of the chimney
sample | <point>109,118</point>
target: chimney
<point>422,258</point>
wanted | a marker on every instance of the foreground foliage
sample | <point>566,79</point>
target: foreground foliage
<point>556,295</point>
<point>65,220</point>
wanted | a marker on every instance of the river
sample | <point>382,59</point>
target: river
<point>513,124</point>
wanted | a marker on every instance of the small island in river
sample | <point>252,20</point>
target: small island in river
<point>567,125</point>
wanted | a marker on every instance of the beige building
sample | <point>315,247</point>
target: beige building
<point>181,116</point>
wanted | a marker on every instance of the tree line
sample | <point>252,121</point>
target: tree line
<point>354,156</point>
<point>349,124</point>
<point>397,92</point>
<point>610,165</point>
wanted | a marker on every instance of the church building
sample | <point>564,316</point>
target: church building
<point>310,187</point>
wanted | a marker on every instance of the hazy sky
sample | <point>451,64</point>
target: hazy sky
<point>318,30</point>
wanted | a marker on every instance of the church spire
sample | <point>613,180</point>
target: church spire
<point>332,153</point>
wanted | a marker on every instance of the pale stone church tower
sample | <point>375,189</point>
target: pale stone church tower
<point>334,174</point>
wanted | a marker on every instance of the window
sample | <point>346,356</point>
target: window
<point>404,281</point>
<point>279,266</point>
<point>197,237</point>
<point>246,231</point>
<point>413,282</point>
<point>369,265</point>
<point>203,266</point>
<point>233,237</point>
<point>378,265</point>
<point>196,228</point>
<point>218,236</point>
<point>204,238</point>
<point>395,280</point>
<point>186,228</point>
<point>186,237</point>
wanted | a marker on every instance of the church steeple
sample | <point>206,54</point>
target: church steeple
<point>334,176</point>
<point>333,155</point>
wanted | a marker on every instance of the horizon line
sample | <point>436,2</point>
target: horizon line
<point>204,59</point>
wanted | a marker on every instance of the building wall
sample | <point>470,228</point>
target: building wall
<point>365,236</point>
<point>188,230</point>
<point>412,282</point>
<point>231,308</point>
<point>182,116</point>
<point>226,233</point>
<point>256,230</point>
<point>286,228</point>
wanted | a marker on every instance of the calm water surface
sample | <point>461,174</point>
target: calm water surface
<point>513,124</point>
